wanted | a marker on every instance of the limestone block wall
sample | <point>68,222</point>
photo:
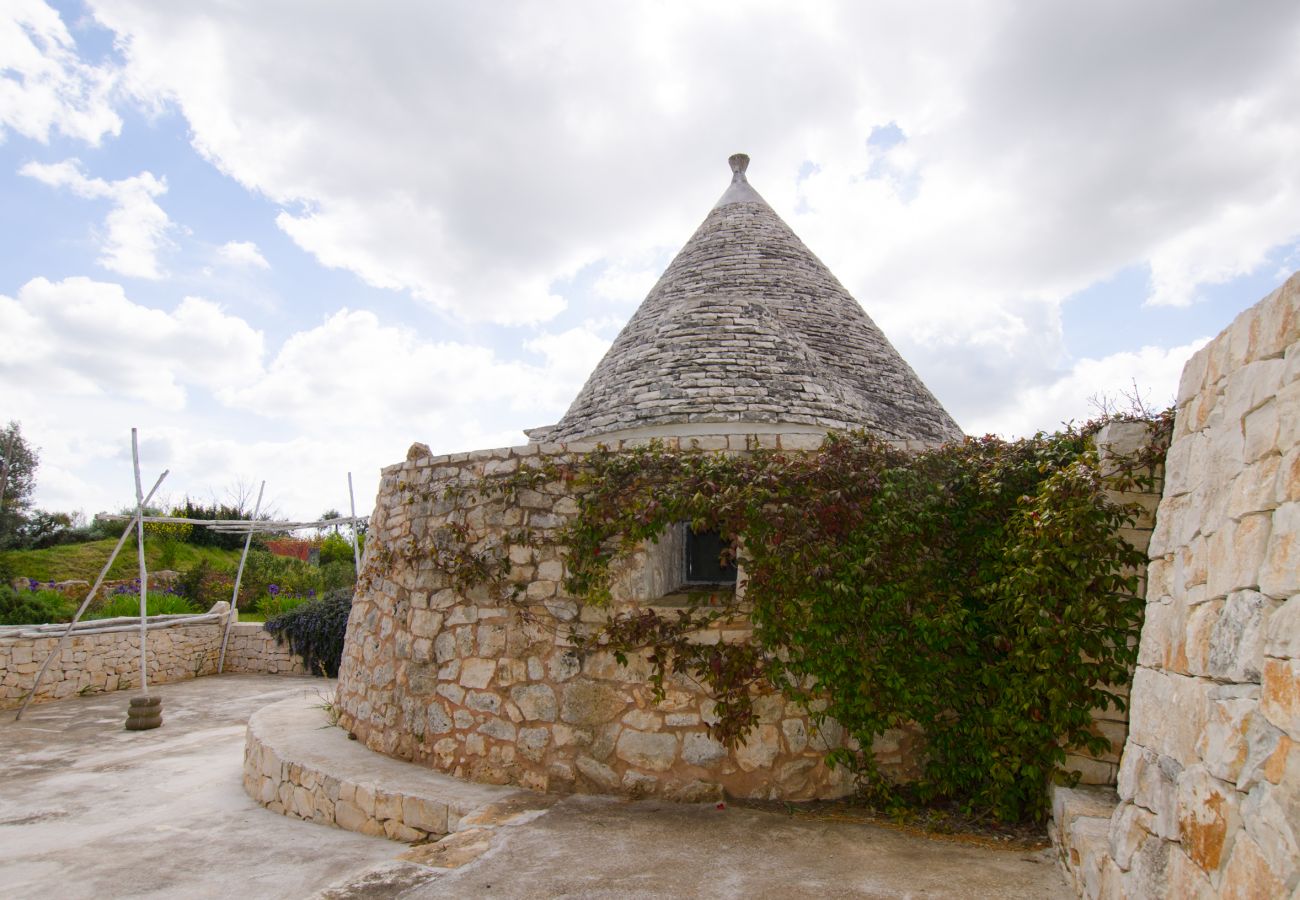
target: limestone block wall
<point>1209,784</point>
<point>489,690</point>
<point>98,663</point>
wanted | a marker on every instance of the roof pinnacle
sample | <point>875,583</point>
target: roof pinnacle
<point>739,162</point>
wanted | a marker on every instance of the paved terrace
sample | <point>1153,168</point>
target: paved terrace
<point>90,810</point>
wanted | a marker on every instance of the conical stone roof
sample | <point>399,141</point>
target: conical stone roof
<point>748,330</point>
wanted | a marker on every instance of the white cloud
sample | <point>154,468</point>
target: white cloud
<point>44,87</point>
<point>473,158</point>
<point>1074,396</point>
<point>350,394</point>
<point>135,230</point>
<point>87,339</point>
<point>243,253</point>
<point>386,376</point>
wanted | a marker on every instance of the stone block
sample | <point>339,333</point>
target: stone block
<point>1192,655</point>
<point>1151,781</point>
<point>1261,431</point>
<point>491,640</point>
<point>535,701</point>
<point>1223,744</point>
<point>1282,634</point>
<point>498,728</point>
<point>590,703</point>
<point>1237,550</point>
<point>1271,814</point>
<point>424,814</point>
<point>1280,695</point>
<point>599,774</point>
<point>796,734</point>
<point>1255,489</point>
<point>699,749</point>
<point>1167,714</point>
<point>1279,573</point>
<point>1185,880</point>
<point>483,701</point>
<point>647,750</point>
<point>759,749</point>
<point>1236,650</point>
<point>396,831</point>
<point>1248,875</point>
<point>477,673</point>
<point>425,623</point>
<point>1286,488</point>
<point>1208,814</point>
<point>1130,825</point>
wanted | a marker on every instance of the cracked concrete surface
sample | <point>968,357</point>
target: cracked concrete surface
<point>88,809</point>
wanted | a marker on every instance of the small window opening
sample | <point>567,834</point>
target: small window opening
<point>704,564</point>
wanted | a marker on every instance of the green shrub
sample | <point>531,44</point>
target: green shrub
<point>24,607</point>
<point>315,630</point>
<point>264,570</point>
<point>203,585</point>
<point>980,592</point>
<point>340,573</point>
<point>335,548</point>
<point>156,604</point>
<point>279,602</point>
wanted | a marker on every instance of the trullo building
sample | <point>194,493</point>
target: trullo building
<point>746,341</point>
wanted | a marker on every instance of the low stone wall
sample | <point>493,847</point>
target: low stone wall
<point>297,765</point>
<point>255,651</point>
<point>98,663</point>
<point>1209,784</point>
<point>490,690</point>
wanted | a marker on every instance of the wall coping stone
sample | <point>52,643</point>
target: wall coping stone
<point>293,744</point>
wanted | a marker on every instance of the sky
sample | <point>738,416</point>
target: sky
<point>285,240</point>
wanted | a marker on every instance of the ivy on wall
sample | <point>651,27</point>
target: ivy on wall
<point>979,593</point>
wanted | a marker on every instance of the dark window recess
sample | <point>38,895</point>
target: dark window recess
<point>704,559</point>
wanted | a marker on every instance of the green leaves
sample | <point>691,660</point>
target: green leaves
<point>979,593</point>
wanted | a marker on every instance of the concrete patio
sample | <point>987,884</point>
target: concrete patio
<point>90,810</point>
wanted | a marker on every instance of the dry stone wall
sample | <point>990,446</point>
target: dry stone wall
<point>489,690</point>
<point>98,663</point>
<point>1209,784</point>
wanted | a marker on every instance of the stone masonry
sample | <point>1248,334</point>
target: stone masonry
<point>98,663</point>
<point>747,327</point>
<point>489,691</point>
<point>1209,783</point>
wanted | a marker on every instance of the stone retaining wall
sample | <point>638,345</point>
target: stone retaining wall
<point>97,663</point>
<point>1209,783</point>
<point>488,690</point>
<point>297,765</point>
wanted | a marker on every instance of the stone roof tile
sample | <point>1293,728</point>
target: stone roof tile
<point>747,325</point>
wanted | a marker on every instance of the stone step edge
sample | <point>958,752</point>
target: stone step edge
<point>1079,830</point>
<point>298,764</point>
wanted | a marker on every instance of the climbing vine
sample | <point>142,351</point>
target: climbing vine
<point>979,594</point>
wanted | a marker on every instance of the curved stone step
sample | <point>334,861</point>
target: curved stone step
<point>298,763</point>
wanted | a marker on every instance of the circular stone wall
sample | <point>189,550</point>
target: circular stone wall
<point>490,691</point>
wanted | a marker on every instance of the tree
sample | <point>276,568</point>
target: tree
<point>18,464</point>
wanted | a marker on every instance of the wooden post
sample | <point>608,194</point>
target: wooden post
<point>356,533</point>
<point>103,573</point>
<point>239,575</point>
<point>144,574</point>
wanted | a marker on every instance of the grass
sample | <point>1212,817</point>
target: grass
<point>84,561</point>
<point>155,605</point>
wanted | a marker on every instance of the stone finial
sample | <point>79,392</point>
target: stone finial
<point>739,162</point>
